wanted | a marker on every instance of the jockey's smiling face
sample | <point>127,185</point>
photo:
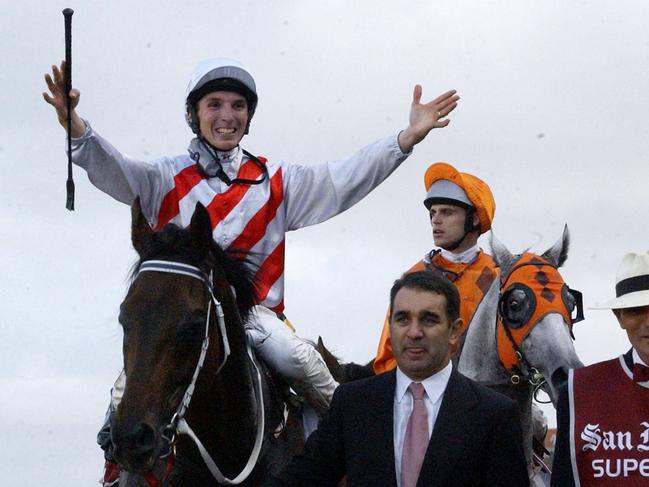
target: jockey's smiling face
<point>635,321</point>
<point>421,333</point>
<point>448,226</point>
<point>223,117</point>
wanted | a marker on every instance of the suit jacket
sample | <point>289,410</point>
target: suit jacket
<point>476,440</point>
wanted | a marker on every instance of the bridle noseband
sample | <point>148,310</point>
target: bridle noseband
<point>536,285</point>
<point>178,425</point>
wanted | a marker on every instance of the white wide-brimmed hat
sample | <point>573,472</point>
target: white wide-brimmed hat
<point>631,283</point>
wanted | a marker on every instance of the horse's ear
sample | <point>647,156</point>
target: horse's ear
<point>333,364</point>
<point>201,229</point>
<point>558,253</point>
<point>141,231</point>
<point>502,256</point>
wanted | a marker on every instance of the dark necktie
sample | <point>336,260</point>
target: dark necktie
<point>640,373</point>
<point>416,438</point>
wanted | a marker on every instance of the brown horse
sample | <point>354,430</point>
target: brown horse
<point>197,408</point>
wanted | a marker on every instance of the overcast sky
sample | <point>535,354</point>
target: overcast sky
<point>553,116</point>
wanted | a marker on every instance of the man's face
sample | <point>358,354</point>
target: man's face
<point>448,226</point>
<point>635,321</point>
<point>421,333</point>
<point>223,116</point>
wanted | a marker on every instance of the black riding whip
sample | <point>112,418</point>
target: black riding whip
<point>69,184</point>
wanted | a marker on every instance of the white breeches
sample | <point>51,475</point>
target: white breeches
<point>292,357</point>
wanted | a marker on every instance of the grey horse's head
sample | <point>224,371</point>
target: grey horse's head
<point>547,342</point>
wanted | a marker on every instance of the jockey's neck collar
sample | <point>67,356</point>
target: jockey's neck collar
<point>465,257</point>
<point>222,156</point>
<point>227,156</point>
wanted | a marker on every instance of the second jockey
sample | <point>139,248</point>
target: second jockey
<point>461,208</point>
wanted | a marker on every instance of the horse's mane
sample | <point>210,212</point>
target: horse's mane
<point>175,243</point>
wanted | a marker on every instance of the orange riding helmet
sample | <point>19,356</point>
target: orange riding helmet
<point>477,191</point>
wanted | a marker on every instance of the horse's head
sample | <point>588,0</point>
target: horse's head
<point>536,311</point>
<point>168,318</point>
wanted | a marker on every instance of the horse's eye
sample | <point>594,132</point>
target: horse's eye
<point>517,305</point>
<point>517,300</point>
<point>191,328</point>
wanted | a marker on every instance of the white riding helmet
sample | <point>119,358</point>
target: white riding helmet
<point>219,74</point>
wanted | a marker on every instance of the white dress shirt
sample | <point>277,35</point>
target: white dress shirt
<point>435,385</point>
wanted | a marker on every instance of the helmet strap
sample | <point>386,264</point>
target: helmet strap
<point>457,243</point>
<point>220,173</point>
<point>469,227</point>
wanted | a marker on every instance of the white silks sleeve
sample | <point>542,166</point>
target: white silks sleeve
<point>315,193</point>
<point>119,175</point>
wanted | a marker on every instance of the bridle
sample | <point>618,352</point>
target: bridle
<point>544,292</point>
<point>178,424</point>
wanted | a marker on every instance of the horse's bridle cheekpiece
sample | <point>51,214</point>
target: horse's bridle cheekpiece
<point>178,425</point>
<point>532,289</point>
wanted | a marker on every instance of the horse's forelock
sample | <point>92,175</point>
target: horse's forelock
<point>175,243</point>
<point>172,242</point>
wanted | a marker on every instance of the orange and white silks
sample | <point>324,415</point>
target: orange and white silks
<point>472,281</point>
<point>547,292</point>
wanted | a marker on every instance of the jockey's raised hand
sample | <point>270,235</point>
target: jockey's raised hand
<point>56,98</point>
<point>425,117</point>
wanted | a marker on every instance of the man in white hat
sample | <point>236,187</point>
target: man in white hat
<point>603,414</point>
<point>252,202</point>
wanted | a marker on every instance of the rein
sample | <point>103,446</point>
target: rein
<point>178,425</point>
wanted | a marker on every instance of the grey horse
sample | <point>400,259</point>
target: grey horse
<point>547,347</point>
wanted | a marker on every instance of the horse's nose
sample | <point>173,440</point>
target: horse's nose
<point>135,445</point>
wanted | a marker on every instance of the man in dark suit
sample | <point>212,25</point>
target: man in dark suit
<point>603,412</point>
<point>422,424</point>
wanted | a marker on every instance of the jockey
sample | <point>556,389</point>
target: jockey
<point>252,202</point>
<point>461,209</point>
